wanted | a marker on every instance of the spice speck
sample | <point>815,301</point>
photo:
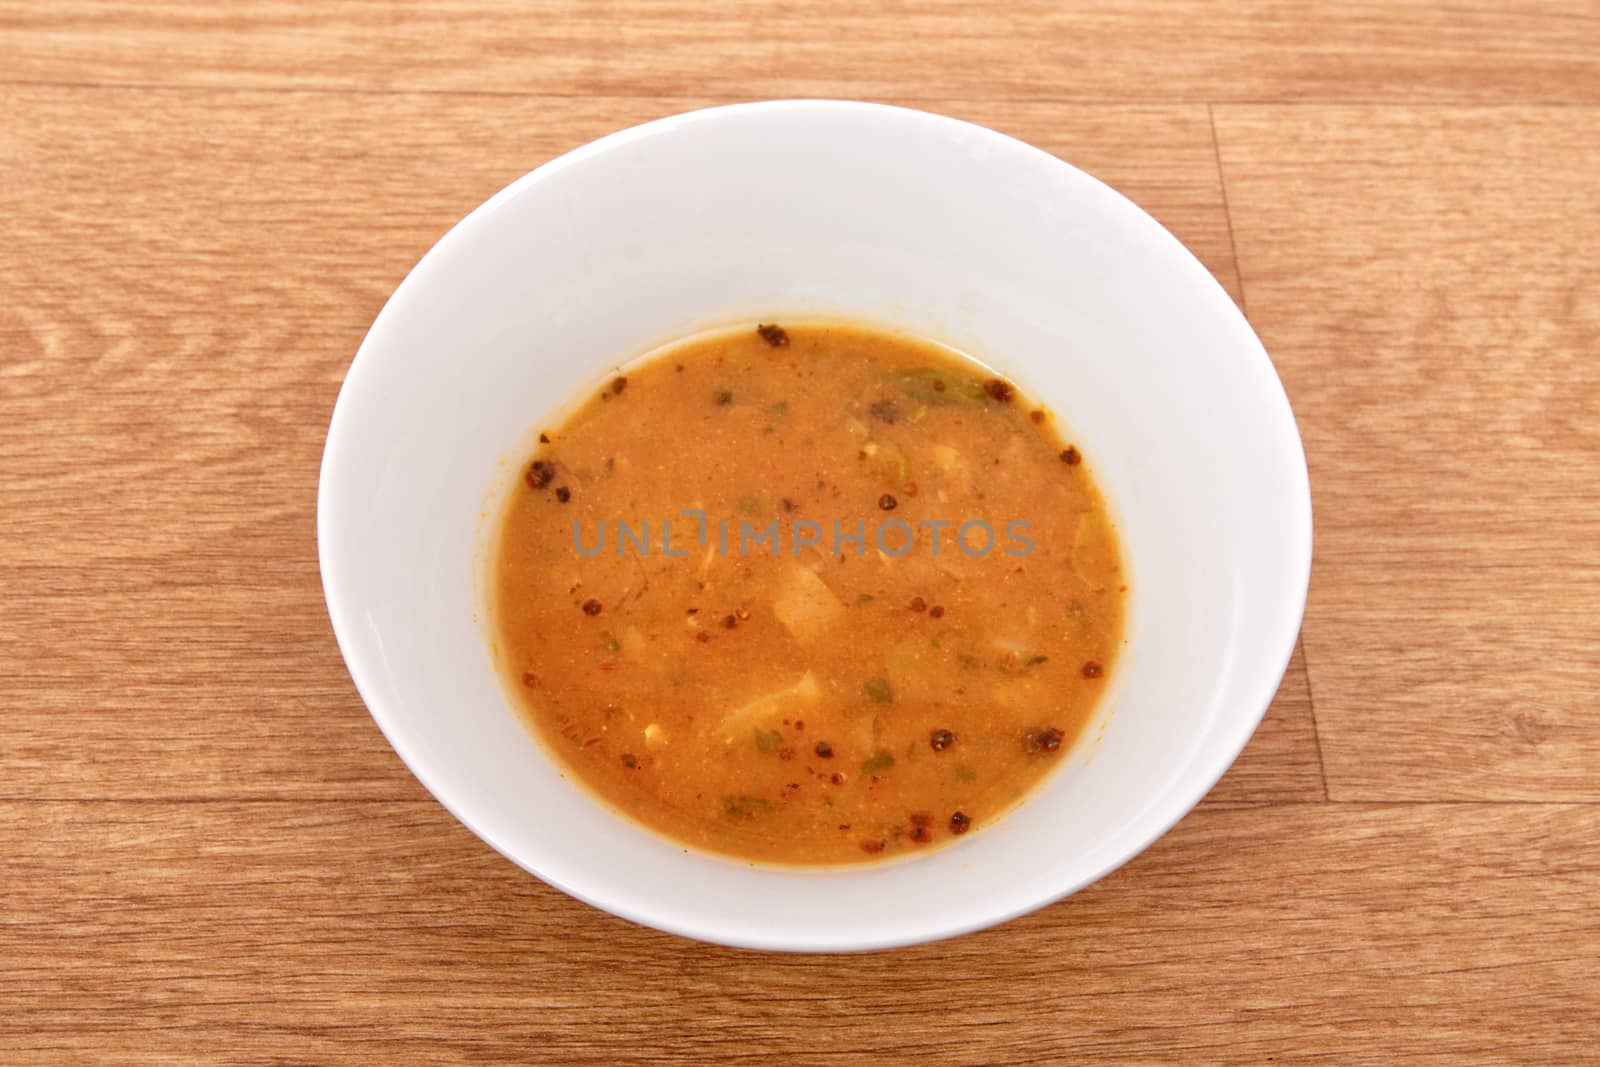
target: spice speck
<point>540,473</point>
<point>1047,740</point>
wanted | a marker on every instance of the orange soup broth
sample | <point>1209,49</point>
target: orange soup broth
<point>825,703</point>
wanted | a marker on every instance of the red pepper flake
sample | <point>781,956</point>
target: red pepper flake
<point>999,390</point>
<point>591,606</point>
<point>773,334</point>
<point>1092,669</point>
<point>703,637</point>
<point>940,740</point>
<point>887,502</point>
<point>918,604</point>
<point>1036,415</point>
<point>936,612</point>
<point>800,724</point>
<point>844,826</point>
<point>938,385</point>
<point>540,474</point>
<point>722,397</point>
<point>824,751</point>
<point>960,823</point>
<point>544,439</point>
<point>530,679</point>
<point>619,384</point>
<point>873,846</point>
<point>787,504</point>
<point>729,622</point>
<point>1070,456</point>
<point>921,835</point>
<point>563,494</point>
<point>909,489</point>
<point>786,753</point>
<point>884,411</point>
<point>836,778</point>
<point>921,818</point>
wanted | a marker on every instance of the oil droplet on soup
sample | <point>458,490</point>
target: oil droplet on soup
<point>808,593</point>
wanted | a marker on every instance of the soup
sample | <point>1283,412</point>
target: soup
<point>810,594</point>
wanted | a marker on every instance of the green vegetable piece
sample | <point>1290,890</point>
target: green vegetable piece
<point>744,807</point>
<point>879,761</point>
<point>609,639</point>
<point>1034,661</point>
<point>964,773</point>
<point>878,690</point>
<point>768,741</point>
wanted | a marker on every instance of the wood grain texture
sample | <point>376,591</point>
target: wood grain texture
<point>1167,50</point>
<point>337,932</point>
<point>210,854</point>
<point>1429,284</point>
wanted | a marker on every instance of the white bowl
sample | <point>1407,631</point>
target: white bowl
<point>820,208</point>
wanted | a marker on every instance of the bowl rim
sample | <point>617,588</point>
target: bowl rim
<point>1259,694</point>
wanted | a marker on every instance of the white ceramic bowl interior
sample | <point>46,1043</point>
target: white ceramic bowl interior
<point>820,209</point>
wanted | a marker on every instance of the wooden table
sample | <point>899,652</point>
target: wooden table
<point>210,853</point>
